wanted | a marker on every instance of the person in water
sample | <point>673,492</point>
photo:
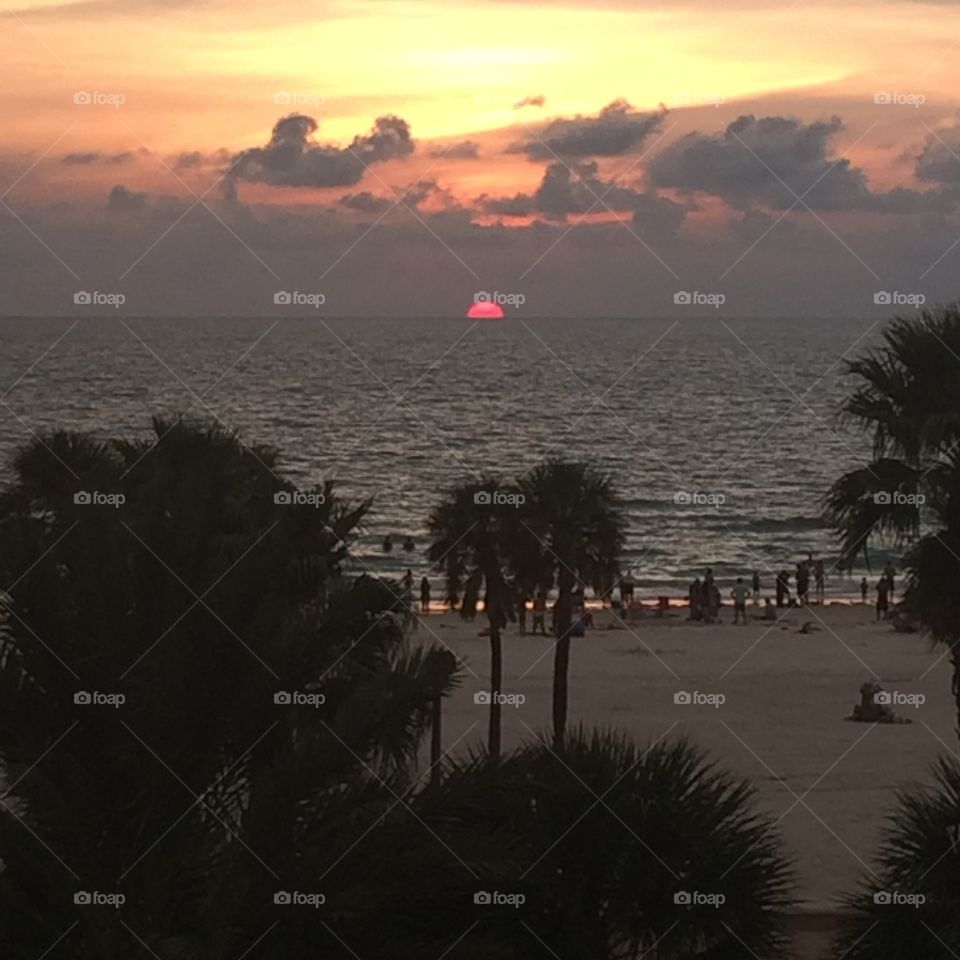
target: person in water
<point>387,543</point>
<point>408,545</point>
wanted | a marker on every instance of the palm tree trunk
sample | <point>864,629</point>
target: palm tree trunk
<point>436,738</point>
<point>562,617</point>
<point>496,681</point>
<point>955,659</point>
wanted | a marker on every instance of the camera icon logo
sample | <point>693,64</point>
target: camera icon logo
<point>282,97</point>
<point>282,298</point>
<point>82,898</point>
<point>883,498</point>
<point>681,497</point>
<point>882,97</point>
<point>682,698</point>
<point>482,698</point>
<point>882,298</point>
<point>683,298</point>
<point>483,498</point>
<point>883,698</point>
<point>282,697</point>
<point>882,898</point>
<point>82,498</point>
<point>82,298</point>
<point>282,898</point>
<point>682,899</point>
<point>482,898</point>
<point>82,97</point>
<point>83,698</point>
<point>481,296</point>
<point>282,497</point>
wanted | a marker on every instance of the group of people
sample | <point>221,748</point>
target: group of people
<point>409,545</point>
<point>806,571</point>
<point>884,589</point>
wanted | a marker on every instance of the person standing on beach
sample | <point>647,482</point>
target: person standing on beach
<point>819,576</point>
<point>696,600</point>
<point>739,594</point>
<point>626,590</point>
<point>756,587</point>
<point>781,587</point>
<point>863,590</point>
<point>883,597</point>
<point>803,583</point>
<point>424,595</point>
<point>540,613</point>
<point>889,572</point>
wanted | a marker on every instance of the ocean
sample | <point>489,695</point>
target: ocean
<point>723,436</point>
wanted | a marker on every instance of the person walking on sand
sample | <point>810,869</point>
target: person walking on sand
<point>739,594</point>
<point>756,587</point>
<point>803,583</point>
<point>863,590</point>
<point>424,595</point>
<point>819,576</point>
<point>883,597</point>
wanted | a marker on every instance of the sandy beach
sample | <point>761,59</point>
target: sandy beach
<point>830,783</point>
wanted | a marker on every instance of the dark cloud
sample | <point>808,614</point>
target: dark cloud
<point>122,200</point>
<point>938,161</point>
<point>292,159</point>
<point>579,189</point>
<point>537,101</point>
<point>617,129</point>
<point>770,162</point>
<point>95,158</point>
<point>465,150</point>
<point>366,202</point>
<point>194,159</point>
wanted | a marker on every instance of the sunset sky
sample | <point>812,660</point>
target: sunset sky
<point>401,155</point>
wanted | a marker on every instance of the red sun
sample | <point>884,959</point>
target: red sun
<point>485,310</point>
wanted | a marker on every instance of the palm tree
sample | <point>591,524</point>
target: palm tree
<point>908,397</point>
<point>572,532</point>
<point>472,539</point>
<point>909,907</point>
<point>200,600</point>
<point>609,881</point>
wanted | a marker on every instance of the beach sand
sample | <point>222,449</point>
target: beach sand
<point>781,725</point>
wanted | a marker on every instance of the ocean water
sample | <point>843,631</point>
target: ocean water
<point>746,411</point>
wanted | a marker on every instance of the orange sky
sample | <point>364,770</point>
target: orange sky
<point>198,77</point>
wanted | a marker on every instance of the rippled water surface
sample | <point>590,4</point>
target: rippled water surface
<point>398,409</point>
